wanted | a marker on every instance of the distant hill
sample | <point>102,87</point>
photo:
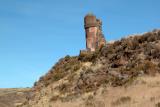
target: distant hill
<point>124,73</point>
<point>13,97</point>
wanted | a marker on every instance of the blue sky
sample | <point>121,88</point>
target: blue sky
<point>34,34</point>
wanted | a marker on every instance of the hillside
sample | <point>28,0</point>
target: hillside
<point>13,97</point>
<point>124,73</point>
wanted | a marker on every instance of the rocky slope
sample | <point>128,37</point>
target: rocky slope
<point>124,73</point>
<point>13,97</point>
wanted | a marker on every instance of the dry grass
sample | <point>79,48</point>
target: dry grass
<point>143,92</point>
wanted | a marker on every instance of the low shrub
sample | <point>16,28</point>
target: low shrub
<point>88,57</point>
<point>54,98</point>
<point>122,100</point>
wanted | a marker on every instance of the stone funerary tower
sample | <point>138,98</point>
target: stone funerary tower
<point>94,36</point>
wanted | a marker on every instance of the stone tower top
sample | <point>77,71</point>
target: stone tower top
<point>90,21</point>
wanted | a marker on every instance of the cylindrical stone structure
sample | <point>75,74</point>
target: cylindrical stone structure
<point>91,31</point>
